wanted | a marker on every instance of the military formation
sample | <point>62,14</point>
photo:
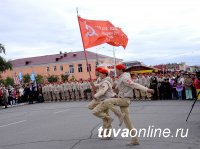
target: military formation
<point>68,91</point>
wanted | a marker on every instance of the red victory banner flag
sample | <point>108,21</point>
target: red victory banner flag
<point>96,32</point>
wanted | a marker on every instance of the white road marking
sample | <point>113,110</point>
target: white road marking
<point>61,111</point>
<point>12,123</point>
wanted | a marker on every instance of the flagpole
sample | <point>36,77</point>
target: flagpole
<point>114,61</point>
<point>85,53</point>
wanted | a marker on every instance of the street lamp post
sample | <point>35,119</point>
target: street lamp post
<point>114,60</point>
<point>97,60</point>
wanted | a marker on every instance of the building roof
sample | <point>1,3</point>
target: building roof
<point>138,67</point>
<point>131,62</point>
<point>56,58</point>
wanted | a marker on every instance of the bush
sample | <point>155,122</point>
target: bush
<point>52,79</point>
<point>39,79</point>
<point>9,81</point>
<point>64,77</point>
<point>26,78</point>
<point>73,78</point>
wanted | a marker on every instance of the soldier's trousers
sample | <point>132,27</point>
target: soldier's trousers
<point>67,96</point>
<point>82,94</point>
<point>94,103</point>
<point>53,96</point>
<point>89,95</point>
<point>77,94</point>
<point>110,103</point>
<point>45,95</point>
<point>72,95</point>
<point>50,96</point>
<point>63,95</point>
<point>57,96</point>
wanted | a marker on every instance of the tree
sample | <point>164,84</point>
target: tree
<point>2,49</point>
<point>65,77</point>
<point>52,79</point>
<point>26,78</point>
<point>9,81</point>
<point>73,78</point>
<point>39,79</point>
<point>2,81</point>
<point>4,65</point>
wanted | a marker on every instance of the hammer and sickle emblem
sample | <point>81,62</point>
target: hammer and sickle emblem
<point>91,31</point>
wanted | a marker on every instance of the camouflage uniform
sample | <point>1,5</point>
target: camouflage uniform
<point>136,91</point>
<point>62,92</point>
<point>50,92</point>
<point>44,92</point>
<point>72,90</point>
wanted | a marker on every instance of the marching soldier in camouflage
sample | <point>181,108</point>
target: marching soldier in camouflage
<point>125,88</point>
<point>95,102</point>
<point>104,91</point>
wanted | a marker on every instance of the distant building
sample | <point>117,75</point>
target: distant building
<point>133,63</point>
<point>171,67</point>
<point>57,64</point>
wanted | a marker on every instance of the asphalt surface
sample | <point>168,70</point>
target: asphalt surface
<point>70,125</point>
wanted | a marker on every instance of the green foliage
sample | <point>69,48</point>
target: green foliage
<point>9,81</point>
<point>4,64</point>
<point>39,79</point>
<point>73,78</point>
<point>26,78</point>
<point>52,79</point>
<point>64,77</point>
<point>2,81</point>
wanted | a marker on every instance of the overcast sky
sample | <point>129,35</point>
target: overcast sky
<point>159,31</point>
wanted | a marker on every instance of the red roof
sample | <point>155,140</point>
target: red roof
<point>64,57</point>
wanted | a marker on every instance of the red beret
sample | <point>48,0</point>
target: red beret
<point>102,70</point>
<point>98,68</point>
<point>120,67</point>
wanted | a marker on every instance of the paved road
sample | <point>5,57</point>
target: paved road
<point>70,125</point>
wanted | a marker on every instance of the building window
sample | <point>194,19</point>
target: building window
<point>48,69</point>
<point>71,68</point>
<point>80,69</point>
<point>89,68</point>
<point>61,67</point>
<point>54,68</point>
